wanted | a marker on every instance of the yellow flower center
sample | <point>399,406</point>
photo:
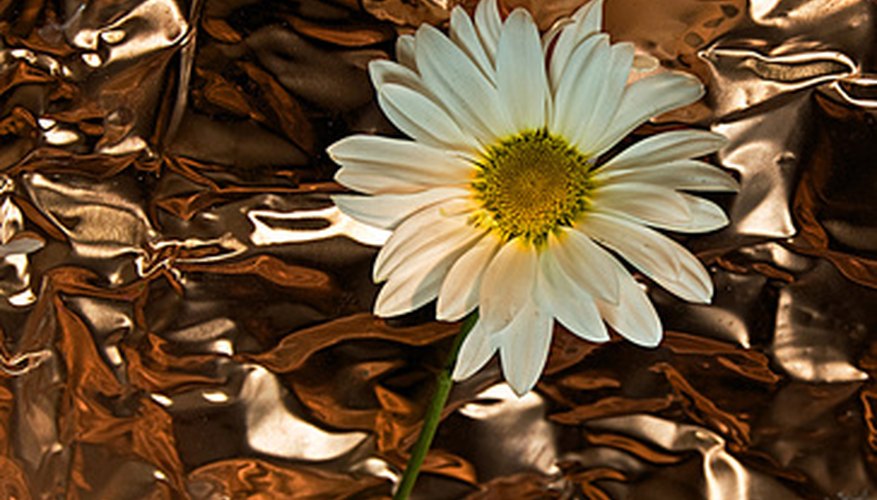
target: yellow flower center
<point>531,184</point>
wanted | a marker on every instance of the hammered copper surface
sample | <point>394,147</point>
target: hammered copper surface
<point>184,314</point>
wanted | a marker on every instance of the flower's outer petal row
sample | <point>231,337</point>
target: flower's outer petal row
<point>644,201</point>
<point>525,346</point>
<point>634,317</point>
<point>665,148</point>
<point>570,303</point>
<point>522,93</point>
<point>688,175</point>
<point>433,226</point>
<point>463,33</point>
<point>658,257</point>
<point>378,165</point>
<point>579,84</point>
<point>416,279</point>
<point>644,99</point>
<point>585,22</point>
<point>386,211</point>
<point>461,288</point>
<point>576,256</point>
<point>454,79</point>
<point>405,51</point>
<point>489,24</point>
<point>422,119</point>
<point>508,284</point>
<point>476,350</point>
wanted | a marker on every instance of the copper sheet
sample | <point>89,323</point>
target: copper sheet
<point>185,315</point>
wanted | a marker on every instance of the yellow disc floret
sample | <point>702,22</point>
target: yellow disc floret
<point>531,184</point>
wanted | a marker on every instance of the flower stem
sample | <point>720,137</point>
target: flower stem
<point>434,412</point>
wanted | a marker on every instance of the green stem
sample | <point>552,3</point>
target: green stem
<point>434,412</point>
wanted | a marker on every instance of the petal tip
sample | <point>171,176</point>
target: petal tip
<point>379,274</point>
<point>652,339</point>
<point>443,313</point>
<point>427,31</point>
<point>720,138</point>
<point>340,176</point>
<point>458,375</point>
<point>385,308</point>
<point>382,312</point>
<point>337,148</point>
<point>520,14</point>
<point>521,390</point>
<point>332,149</point>
<point>650,343</point>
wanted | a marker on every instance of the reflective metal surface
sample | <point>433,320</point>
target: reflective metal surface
<point>184,314</point>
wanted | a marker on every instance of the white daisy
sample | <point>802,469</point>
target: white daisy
<point>501,201</point>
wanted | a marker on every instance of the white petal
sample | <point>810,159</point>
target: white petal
<point>413,109</point>
<point>477,349</point>
<point>607,97</point>
<point>641,246</point>
<point>634,317</point>
<point>372,182</point>
<point>464,35</point>
<point>643,201</point>
<point>405,51</point>
<point>693,284</point>
<point>571,304</point>
<point>525,348</point>
<point>579,85</point>
<point>422,119</point>
<point>667,147</point>
<point>508,284</point>
<point>589,17</point>
<point>550,37</point>
<point>690,175</point>
<point>520,72</point>
<point>461,289</point>
<point>488,23</point>
<point>586,21</point>
<point>460,86</point>
<point>409,291</point>
<point>705,216</point>
<point>658,257</point>
<point>646,98</point>
<point>574,255</point>
<point>424,234</point>
<point>373,164</point>
<point>387,210</point>
<point>417,279</point>
<point>382,72</point>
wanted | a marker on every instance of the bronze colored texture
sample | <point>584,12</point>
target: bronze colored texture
<point>184,314</point>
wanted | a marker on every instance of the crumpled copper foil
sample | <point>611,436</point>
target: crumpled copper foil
<point>185,315</point>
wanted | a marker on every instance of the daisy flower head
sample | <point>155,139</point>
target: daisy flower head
<point>501,200</point>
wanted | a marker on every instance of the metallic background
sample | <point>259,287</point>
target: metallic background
<point>184,315</point>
